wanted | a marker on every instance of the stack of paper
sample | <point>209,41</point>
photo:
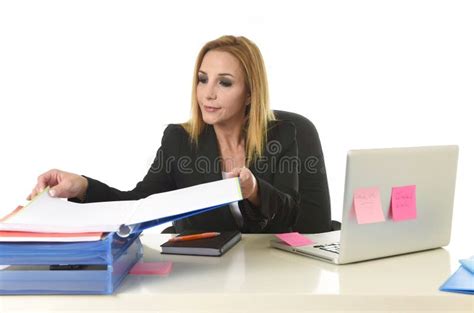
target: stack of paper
<point>462,280</point>
<point>45,214</point>
<point>23,236</point>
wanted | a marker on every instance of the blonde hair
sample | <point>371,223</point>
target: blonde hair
<point>259,114</point>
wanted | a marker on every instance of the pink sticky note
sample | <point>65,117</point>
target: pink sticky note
<point>367,205</point>
<point>294,239</point>
<point>152,268</point>
<point>403,204</point>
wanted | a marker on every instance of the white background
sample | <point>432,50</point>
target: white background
<point>89,86</point>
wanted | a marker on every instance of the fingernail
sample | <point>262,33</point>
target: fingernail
<point>41,189</point>
<point>52,192</point>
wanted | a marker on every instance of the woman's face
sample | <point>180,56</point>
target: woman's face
<point>221,91</point>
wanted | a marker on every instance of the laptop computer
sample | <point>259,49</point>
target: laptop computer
<point>431,169</point>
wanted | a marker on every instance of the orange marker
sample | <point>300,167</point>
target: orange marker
<point>195,236</point>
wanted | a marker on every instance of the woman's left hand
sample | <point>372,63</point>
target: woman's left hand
<point>248,184</point>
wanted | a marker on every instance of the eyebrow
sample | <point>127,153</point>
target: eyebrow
<point>220,74</point>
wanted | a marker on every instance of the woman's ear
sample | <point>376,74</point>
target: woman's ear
<point>247,101</point>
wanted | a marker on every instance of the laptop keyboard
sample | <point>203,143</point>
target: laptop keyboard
<point>331,247</point>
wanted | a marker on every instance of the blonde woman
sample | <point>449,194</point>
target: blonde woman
<point>231,133</point>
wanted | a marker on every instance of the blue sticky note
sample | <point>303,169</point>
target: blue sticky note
<point>468,264</point>
<point>461,281</point>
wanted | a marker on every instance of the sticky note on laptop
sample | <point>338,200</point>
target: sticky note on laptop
<point>294,239</point>
<point>403,203</point>
<point>368,206</point>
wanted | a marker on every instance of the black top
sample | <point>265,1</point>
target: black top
<point>180,163</point>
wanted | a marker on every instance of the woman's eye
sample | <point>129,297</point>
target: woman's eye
<point>202,80</point>
<point>225,83</point>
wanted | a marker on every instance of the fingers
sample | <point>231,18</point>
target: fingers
<point>236,172</point>
<point>242,172</point>
<point>60,191</point>
<point>36,190</point>
<point>31,195</point>
<point>245,174</point>
<point>63,187</point>
<point>49,178</point>
<point>247,181</point>
<point>42,181</point>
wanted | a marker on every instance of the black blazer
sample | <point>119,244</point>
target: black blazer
<point>179,164</point>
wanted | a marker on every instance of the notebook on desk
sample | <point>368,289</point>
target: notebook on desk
<point>215,246</point>
<point>431,169</point>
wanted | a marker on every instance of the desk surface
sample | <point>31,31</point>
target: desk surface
<point>253,276</point>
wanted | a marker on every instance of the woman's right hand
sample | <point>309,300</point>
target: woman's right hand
<point>62,185</point>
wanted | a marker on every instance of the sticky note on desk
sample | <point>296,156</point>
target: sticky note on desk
<point>367,205</point>
<point>468,265</point>
<point>152,268</point>
<point>403,203</point>
<point>294,239</point>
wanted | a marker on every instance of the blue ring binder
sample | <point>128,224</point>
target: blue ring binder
<point>96,267</point>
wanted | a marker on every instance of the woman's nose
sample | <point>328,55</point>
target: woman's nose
<point>211,92</point>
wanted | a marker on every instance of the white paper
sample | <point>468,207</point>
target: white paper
<point>50,239</point>
<point>47,214</point>
<point>185,200</point>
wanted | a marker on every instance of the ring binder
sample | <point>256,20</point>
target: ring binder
<point>124,231</point>
<point>96,267</point>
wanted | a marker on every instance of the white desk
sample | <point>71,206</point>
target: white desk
<point>253,276</point>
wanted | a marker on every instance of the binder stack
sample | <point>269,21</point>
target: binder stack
<point>96,267</point>
<point>67,253</point>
